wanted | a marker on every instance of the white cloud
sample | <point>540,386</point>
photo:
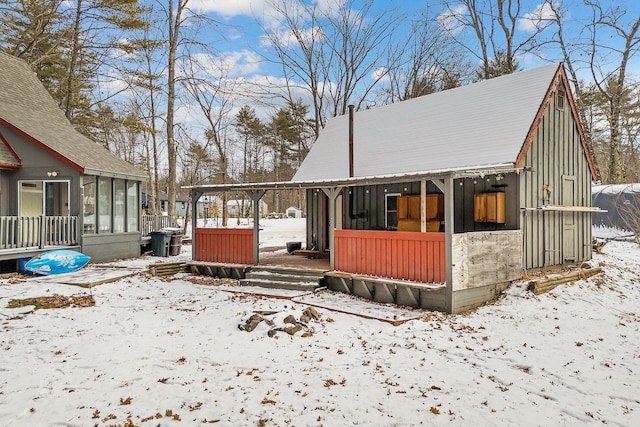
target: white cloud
<point>381,73</point>
<point>330,7</point>
<point>539,18</point>
<point>451,19</point>
<point>228,64</point>
<point>228,8</point>
<point>287,38</point>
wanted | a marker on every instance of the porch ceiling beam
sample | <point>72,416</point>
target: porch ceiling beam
<point>359,181</point>
<point>440,184</point>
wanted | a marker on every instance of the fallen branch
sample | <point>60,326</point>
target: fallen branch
<point>546,284</point>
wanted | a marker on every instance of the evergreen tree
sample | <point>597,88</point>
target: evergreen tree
<point>38,32</point>
<point>250,130</point>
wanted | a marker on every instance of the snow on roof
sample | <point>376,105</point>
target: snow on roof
<point>480,124</point>
<point>615,188</point>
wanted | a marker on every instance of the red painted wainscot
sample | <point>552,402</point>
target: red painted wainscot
<point>400,255</point>
<point>228,245</point>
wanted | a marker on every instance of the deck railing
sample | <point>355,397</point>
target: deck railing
<point>400,255</point>
<point>38,231</point>
<point>154,223</point>
<point>225,245</point>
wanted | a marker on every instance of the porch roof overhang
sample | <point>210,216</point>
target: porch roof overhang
<point>129,176</point>
<point>359,180</point>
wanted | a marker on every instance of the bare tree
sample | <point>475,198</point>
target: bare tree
<point>612,84</point>
<point>607,42</point>
<point>145,77</point>
<point>428,61</point>
<point>176,20</point>
<point>208,86</point>
<point>495,41</point>
<point>332,52</point>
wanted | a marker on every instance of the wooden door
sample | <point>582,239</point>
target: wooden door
<point>569,238</point>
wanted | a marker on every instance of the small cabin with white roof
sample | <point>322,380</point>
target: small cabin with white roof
<point>441,201</point>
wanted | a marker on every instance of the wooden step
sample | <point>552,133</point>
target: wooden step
<point>283,278</point>
<point>278,284</point>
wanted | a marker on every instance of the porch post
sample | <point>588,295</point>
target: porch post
<point>332,194</point>
<point>423,205</point>
<point>256,195</point>
<point>446,186</point>
<point>195,196</point>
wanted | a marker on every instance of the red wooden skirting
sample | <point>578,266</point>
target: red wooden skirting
<point>232,245</point>
<point>400,255</point>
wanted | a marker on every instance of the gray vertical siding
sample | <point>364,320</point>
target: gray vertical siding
<point>367,203</point>
<point>556,156</point>
<point>4,192</point>
<point>315,220</point>
<point>464,201</point>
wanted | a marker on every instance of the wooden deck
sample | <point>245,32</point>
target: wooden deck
<point>17,253</point>
<point>294,261</point>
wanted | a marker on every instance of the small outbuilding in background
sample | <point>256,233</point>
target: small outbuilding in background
<point>621,205</point>
<point>293,212</point>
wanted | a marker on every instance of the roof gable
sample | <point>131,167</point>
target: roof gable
<point>28,109</point>
<point>469,127</point>
<point>560,81</point>
<point>8,158</point>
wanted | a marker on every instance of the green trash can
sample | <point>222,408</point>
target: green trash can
<point>160,241</point>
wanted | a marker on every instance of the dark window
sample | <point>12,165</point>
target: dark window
<point>560,99</point>
<point>392,211</point>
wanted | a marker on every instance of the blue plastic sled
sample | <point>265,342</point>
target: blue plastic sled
<point>57,262</point>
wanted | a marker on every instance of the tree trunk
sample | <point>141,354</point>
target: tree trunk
<point>73,60</point>
<point>174,28</point>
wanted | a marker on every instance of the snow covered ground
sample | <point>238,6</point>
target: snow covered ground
<point>168,352</point>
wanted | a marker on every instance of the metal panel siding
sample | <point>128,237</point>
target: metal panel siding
<point>400,255</point>
<point>315,220</point>
<point>230,245</point>
<point>370,201</point>
<point>556,152</point>
<point>464,202</point>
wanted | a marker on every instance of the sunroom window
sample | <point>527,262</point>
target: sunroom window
<point>132,206</point>
<point>119,213</point>
<point>104,205</point>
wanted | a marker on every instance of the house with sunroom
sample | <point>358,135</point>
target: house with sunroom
<point>58,188</point>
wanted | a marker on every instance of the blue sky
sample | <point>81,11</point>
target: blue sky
<point>240,48</point>
<point>242,21</point>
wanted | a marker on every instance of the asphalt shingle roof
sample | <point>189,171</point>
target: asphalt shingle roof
<point>7,159</point>
<point>26,105</point>
<point>472,126</point>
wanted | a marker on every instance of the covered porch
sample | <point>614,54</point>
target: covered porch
<point>406,267</point>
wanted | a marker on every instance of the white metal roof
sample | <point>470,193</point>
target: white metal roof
<point>469,127</point>
<point>615,188</point>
